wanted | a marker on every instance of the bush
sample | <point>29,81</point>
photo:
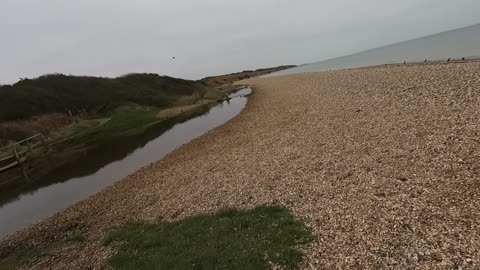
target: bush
<point>61,93</point>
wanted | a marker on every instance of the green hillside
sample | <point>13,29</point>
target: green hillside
<point>61,93</point>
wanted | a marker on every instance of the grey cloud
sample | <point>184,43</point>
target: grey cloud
<point>110,38</point>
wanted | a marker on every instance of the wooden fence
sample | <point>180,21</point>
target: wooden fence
<point>16,154</point>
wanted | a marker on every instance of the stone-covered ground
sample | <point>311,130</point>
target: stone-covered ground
<point>382,163</point>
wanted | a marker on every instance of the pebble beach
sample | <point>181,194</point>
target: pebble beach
<point>382,163</point>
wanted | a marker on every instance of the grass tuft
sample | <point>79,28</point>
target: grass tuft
<point>17,259</point>
<point>228,239</point>
<point>75,237</point>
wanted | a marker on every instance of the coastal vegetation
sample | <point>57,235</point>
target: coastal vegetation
<point>120,121</point>
<point>56,101</point>
<point>17,259</point>
<point>75,114</point>
<point>373,159</point>
<point>79,98</point>
<point>59,93</point>
<point>228,239</point>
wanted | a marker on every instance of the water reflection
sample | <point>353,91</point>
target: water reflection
<point>99,168</point>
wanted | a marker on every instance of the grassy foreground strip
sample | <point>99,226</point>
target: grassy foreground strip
<point>19,258</point>
<point>228,239</point>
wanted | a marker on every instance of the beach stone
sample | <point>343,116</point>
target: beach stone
<point>300,135</point>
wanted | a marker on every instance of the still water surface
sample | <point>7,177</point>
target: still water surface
<point>99,168</point>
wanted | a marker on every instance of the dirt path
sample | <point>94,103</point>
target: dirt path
<point>382,163</point>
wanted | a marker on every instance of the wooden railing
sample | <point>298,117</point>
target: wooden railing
<point>15,154</point>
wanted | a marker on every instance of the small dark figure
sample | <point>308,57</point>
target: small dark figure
<point>425,61</point>
<point>173,57</point>
<point>448,60</point>
<point>463,58</point>
<point>404,62</point>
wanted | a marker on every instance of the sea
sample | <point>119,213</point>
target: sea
<point>454,44</point>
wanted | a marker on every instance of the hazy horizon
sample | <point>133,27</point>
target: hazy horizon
<point>113,38</point>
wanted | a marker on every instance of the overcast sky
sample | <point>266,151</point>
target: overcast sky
<point>207,37</point>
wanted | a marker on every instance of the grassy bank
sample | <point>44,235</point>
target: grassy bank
<point>127,123</point>
<point>94,95</point>
<point>50,102</point>
<point>225,82</point>
<point>125,119</point>
<point>75,113</point>
<point>382,164</point>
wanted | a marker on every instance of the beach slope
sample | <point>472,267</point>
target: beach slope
<point>382,163</point>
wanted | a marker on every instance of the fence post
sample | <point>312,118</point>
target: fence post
<point>17,157</point>
<point>29,144</point>
<point>12,149</point>
<point>43,139</point>
<point>19,162</point>
<point>44,143</point>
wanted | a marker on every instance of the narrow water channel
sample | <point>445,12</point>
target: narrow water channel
<point>99,168</point>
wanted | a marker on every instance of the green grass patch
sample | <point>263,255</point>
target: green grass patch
<point>127,118</point>
<point>79,127</point>
<point>73,129</point>
<point>75,237</point>
<point>122,120</point>
<point>228,239</point>
<point>17,259</point>
<point>25,256</point>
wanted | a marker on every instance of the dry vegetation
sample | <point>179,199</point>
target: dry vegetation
<point>226,82</point>
<point>382,163</point>
<point>41,105</point>
<point>11,131</point>
<point>47,103</point>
